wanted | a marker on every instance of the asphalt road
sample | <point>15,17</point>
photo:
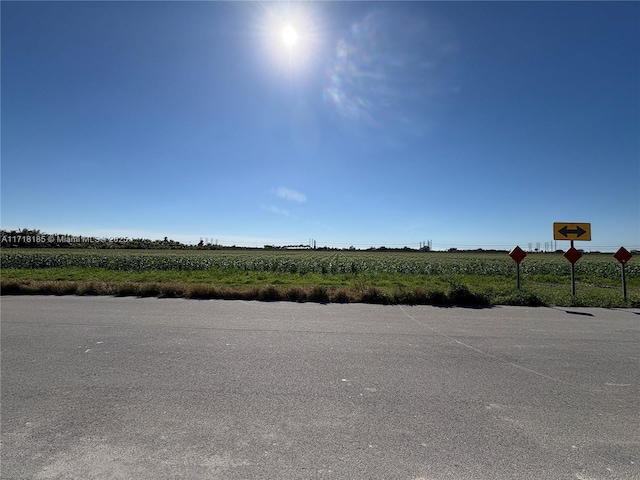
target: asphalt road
<point>126,388</point>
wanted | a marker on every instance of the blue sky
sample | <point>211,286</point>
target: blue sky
<point>467,124</point>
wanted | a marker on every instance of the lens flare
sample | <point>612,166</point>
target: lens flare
<point>388,73</point>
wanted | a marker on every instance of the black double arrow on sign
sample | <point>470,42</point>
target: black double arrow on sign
<point>565,231</point>
<point>571,231</point>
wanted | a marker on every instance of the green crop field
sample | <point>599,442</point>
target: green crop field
<point>469,278</point>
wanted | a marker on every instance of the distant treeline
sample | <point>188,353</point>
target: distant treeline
<point>34,238</point>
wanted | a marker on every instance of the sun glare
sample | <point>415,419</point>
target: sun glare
<point>289,36</point>
<point>292,36</point>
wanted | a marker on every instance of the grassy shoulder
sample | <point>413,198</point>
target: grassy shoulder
<point>374,287</point>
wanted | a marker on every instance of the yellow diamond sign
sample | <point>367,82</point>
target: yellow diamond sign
<point>572,231</point>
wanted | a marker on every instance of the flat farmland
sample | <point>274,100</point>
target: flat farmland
<point>409,277</point>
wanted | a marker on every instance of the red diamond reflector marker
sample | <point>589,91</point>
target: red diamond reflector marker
<point>622,255</point>
<point>517,254</point>
<point>573,255</point>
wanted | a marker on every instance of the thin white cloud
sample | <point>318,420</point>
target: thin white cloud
<point>290,194</point>
<point>276,210</point>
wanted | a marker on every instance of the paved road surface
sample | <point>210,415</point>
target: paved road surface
<point>126,388</point>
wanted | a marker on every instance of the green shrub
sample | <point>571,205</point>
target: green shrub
<point>149,290</point>
<point>318,294</point>
<point>374,295</point>
<point>340,296</point>
<point>269,293</point>
<point>437,297</point>
<point>89,288</point>
<point>126,289</point>
<point>295,294</point>
<point>461,295</point>
<point>522,298</point>
<point>171,290</point>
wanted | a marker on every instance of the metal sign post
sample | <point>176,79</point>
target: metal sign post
<point>517,254</point>
<point>573,275</point>
<point>623,256</point>
<point>572,231</point>
<point>573,256</point>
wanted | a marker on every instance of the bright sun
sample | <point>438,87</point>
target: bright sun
<point>289,36</point>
